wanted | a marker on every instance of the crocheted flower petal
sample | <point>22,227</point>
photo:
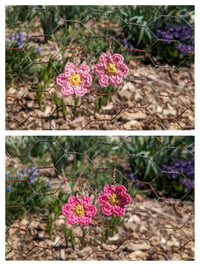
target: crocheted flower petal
<point>72,219</point>
<point>86,80</point>
<point>91,210</point>
<point>107,209</point>
<point>125,199</point>
<point>69,68</point>
<point>104,80</point>
<point>105,58</point>
<point>66,209</point>
<point>120,189</point>
<point>115,80</point>
<point>80,91</point>
<point>118,210</point>
<point>108,189</point>
<point>61,79</point>
<point>122,70</point>
<point>84,220</point>
<point>73,200</point>
<point>67,89</point>
<point>117,58</point>
<point>86,200</point>
<point>83,69</point>
<point>103,198</point>
<point>99,68</point>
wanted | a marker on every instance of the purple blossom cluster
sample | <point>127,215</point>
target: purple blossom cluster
<point>20,38</point>
<point>182,35</point>
<point>129,47</point>
<point>179,168</point>
<point>31,172</point>
<point>132,177</point>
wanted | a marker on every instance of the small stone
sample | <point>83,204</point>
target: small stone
<point>24,222</point>
<point>134,219</point>
<point>85,251</point>
<point>57,239</point>
<point>62,254</point>
<point>134,124</point>
<point>125,94</point>
<point>77,231</point>
<point>138,96</point>
<point>133,116</point>
<point>108,107</point>
<point>47,110</point>
<point>130,226</point>
<point>130,246</point>
<point>162,241</point>
<point>78,120</point>
<point>114,238</point>
<point>173,244</point>
<point>137,255</point>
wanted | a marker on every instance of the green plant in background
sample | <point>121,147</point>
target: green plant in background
<point>147,155</point>
<point>17,14</point>
<point>141,25</point>
<point>17,63</point>
<point>110,230</point>
<point>18,194</point>
<point>69,237</point>
<point>144,155</point>
<point>103,100</point>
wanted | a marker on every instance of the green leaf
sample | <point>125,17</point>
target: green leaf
<point>39,92</point>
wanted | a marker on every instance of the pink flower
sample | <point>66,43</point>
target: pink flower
<point>79,210</point>
<point>113,199</point>
<point>110,69</point>
<point>75,79</point>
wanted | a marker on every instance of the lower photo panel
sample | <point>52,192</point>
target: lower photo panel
<point>99,198</point>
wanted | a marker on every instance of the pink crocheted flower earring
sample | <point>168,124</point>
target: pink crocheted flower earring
<point>75,80</point>
<point>110,69</point>
<point>79,210</point>
<point>113,199</point>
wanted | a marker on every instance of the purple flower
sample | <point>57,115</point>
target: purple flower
<point>38,171</point>
<point>38,50</point>
<point>137,184</point>
<point>23,171</point>
<point>30,171</point>
<point>20,44</point>
<point>48,184</point>
<point>21,36</point>
<point>8,188</point>
<point>188,183</point>
<point>16,37</point>
<point>182,33</point>
<point>11,37</point>
<point>125,42</point>
<point>131,176</point>
<point>131,50</point>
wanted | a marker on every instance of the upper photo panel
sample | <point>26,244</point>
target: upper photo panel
<point>100,67</point>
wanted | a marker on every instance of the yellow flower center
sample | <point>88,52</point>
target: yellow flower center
<point>111,69</point>
<point>79,210</point>
<point>114,199</point>
<point>75,79</point>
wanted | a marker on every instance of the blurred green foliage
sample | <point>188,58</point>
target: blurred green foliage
<point>21,194</point>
